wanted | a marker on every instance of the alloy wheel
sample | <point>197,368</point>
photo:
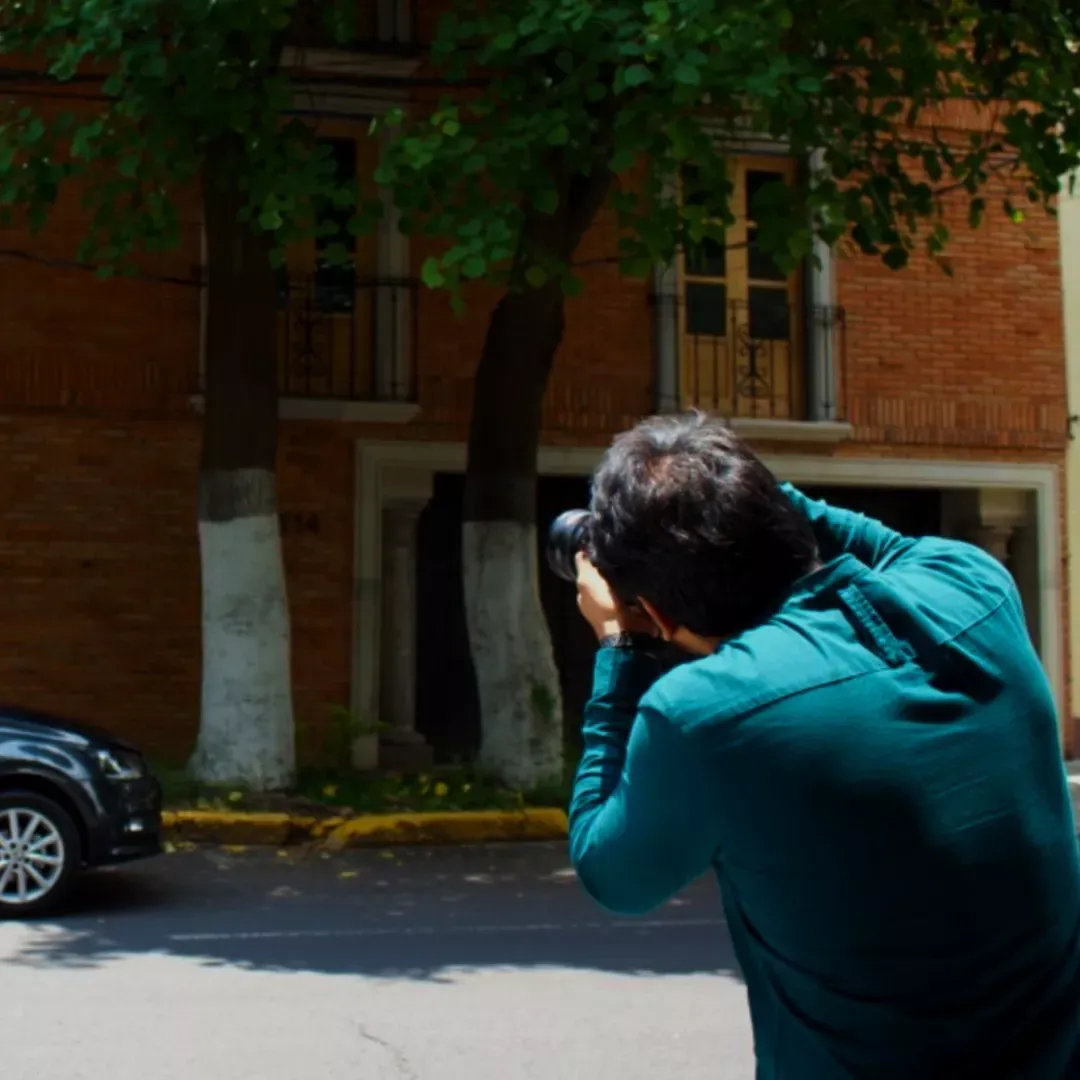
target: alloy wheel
<point>32,856</point>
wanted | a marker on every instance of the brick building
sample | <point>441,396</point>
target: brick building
<point>936,403</point>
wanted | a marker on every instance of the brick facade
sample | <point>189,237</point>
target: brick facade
<point>99,445</point>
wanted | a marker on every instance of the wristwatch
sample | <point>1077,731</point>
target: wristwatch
<point>626,640</point>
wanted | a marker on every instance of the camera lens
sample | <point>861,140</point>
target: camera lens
<point>567,536</point>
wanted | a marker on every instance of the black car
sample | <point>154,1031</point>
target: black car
<point>71,797</point>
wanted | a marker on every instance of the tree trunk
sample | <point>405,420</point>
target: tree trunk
<point>517,679</point>
<point>247,734</point>
<point>518,682</point>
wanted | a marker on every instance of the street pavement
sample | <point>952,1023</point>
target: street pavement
<point>416,964</point>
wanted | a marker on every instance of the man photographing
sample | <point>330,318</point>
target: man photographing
<point>864,749</point>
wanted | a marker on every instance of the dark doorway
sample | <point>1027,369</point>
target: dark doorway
<point>912,511</point>
<point>447,709</point>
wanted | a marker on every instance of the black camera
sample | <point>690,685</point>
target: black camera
<point>569,534</point>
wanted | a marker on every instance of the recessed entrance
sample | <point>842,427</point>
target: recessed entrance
<point>411,660</point>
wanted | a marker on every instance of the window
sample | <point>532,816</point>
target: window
<point>366,23</point>
<point>327,313</point>
<point>335,284</point>
<point>741,316</point>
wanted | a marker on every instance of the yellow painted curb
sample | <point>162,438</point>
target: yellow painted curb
<point>337,834</point>
<point>463,827</point>
<point>229,827</point>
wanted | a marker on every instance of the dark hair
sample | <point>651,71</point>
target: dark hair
<point>685,515</point>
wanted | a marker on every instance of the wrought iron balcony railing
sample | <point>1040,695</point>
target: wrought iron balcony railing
<point>765,358</point>
<point>372,26</point>
<point>342,338</point>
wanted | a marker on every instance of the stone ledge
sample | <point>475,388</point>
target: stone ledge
<point>803,431</point>
<point>357,412</point>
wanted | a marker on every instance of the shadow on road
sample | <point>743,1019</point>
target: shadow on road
<point>409,914</point>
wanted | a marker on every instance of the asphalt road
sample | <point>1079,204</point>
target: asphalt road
<point>444,964</point>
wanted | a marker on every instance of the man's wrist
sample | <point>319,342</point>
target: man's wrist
<point>608,628</point>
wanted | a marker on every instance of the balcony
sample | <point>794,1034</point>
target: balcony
<point>766,363</point>
<point>386,27</point>
<point>345,341</point>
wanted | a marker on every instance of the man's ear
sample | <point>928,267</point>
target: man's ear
<point>665,626</point>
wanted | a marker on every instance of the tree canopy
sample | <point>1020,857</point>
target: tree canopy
<point>549,90</point>
<point>130,98</point>
<point>858,89</point>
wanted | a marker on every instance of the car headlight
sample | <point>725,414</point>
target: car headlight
<point>120,765</point>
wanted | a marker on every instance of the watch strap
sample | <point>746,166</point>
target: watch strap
<point>626,640</point>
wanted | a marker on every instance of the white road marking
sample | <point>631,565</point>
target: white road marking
<point>431,931</point>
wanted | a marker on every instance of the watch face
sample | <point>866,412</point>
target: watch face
<point>625,640</point>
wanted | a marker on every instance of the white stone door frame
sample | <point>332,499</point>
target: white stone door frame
<point>388,472</point>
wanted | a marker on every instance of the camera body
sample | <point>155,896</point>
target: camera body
<point>569,534</point>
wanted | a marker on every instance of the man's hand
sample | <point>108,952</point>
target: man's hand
<point>603,612</point>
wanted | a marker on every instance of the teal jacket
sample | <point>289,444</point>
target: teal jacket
<point>875,777</point>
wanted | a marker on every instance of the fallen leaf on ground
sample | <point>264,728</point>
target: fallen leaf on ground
<point>349,874</point>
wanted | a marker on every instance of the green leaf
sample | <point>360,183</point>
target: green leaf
<point>270,220</point>
<point>572,285</point>
<point>559,135</point>
<point>932,165</point>
<point>475,266</point>
<point>687,75</point>
<point>431,274</point>
<point>895,258</point>
<point>155,67</point>
<point>546,200</point>
<point>637,75</point>
<point>536,276</point>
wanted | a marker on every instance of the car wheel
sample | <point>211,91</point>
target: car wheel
<point>39,853</point>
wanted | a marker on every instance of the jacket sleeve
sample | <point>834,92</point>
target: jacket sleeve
<point>844,532</point>
<point>641,818</point>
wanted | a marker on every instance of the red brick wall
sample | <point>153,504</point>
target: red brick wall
<point>98,446</point>
<point>975,360</point>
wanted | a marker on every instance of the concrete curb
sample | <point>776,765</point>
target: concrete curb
<point>374,830</point>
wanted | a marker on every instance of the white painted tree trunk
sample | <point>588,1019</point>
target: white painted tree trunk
<point>517,679</point>
<point>247,734</point>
